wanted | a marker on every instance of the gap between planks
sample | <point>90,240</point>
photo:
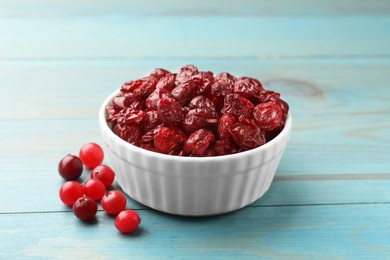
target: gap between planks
<point>249,206</point>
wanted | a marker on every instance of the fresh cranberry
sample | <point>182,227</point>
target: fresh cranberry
<point>104,174</point>
<point>94,189</point>
<point>91,155</point>
<point>113,202</point>
<point>70,191</point>
<point>70,167</point>
<point>127,221</point>
<point>85,208</point>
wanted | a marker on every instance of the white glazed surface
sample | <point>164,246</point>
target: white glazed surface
<point>193,186</point>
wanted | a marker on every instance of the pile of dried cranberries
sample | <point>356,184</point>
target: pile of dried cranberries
<point>194,113</point>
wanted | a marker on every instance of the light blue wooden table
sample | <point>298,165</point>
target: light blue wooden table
<point>330,60</point>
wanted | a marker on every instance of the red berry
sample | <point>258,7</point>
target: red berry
<point>127,221</point>
<point>247,87</point>
<point>130,133</point>
<point>200,118</point>
<point>91,154</point>
<point>113,202</point>
<point>104,174</point>
<point>70,167</point>
<point>94,189</point>
<point>168,139</point>
<point>198,142</point>
<point>247,134</point>
<point>169,110</point>
<point>70,191</point>
<point>268,115</point>
<point>85,208</point>
<point>237,105</point>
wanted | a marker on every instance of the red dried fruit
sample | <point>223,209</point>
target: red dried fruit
<point>203,81</point>
<point>237,105</point>
<point>128,100</point>
<point>201,102</point>
<point>226,122</point>
<point>247,87</point>
<point>198,142</point>
<point>157,112</point>
<point>129,133</point>
<point>268,115</point>
<point>130,116</point>
<point>225,75</point>
<point>200,118</point>
<point>169,110</point>
<point>167,139</point>
<point>184,92</point>
<point>222,87</point>
<point>223,147</point>
<point>159,73</point>
<point>152,120</point>
<point>247,134</point>
<point>186,74</point>
<point>143,87</point>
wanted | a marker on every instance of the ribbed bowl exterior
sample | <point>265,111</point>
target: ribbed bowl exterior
<point>193,186</point>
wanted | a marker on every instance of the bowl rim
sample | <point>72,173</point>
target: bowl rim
<point>105,127</point>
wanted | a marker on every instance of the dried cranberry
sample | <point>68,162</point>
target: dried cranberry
<point>152,120</point>
<point>167,139</point>
<point>143,87</point>
<point>167,83</point>
<point>186,74</point>
<point>169,110</point>
<point>130,116</point>
<point>268,115</point>
<point>112,114</point>
<point>237,105</point>
<point>247,87</point>
<point>129,133</point>
<point>223,146</point>
<point>222,87</point>
<point>151,101</point>
<point>200,118</point>
<point>201,102</point>
<point>184,92</point>
<point>247,134</point>
<point>203,81</point>
<point>128,100</point>
<point>198,142</point>
<point>159,73</point>
<point>225,124</point>
<point>225,75</point>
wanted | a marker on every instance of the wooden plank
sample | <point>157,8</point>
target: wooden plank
<point>73,8</point>
<point>128,37</point>
<point>351,231</point>
<point>31,149</point>
<point>338,89</point>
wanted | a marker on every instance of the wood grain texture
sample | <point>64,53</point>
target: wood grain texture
<point>122,37</point>
<point>268,232</point>
<point>330,60</point>
<point>12,8</point>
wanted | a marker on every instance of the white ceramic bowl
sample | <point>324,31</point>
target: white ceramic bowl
<point>192,186</point>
